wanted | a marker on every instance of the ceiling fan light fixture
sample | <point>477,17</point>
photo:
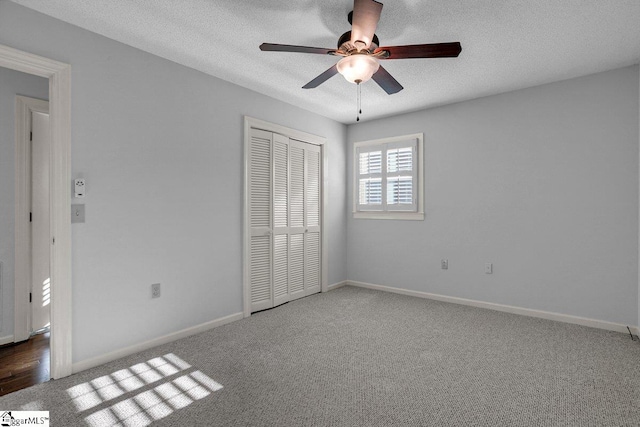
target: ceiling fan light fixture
<point>358,68</point>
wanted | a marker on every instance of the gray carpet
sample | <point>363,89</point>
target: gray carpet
<point>356,357</point>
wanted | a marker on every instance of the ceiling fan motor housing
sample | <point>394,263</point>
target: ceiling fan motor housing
<point>345,45</point>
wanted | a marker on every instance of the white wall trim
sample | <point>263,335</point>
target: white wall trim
<point>6,340</point>
<point>566,318</point>
<point>249,123</point>
<point>337,285</point>
<point>174,336</point>
<point>24,107</point>
<point>59,75</point>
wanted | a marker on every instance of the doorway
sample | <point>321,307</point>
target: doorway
<point>59,76</point>
<point>25,320</point>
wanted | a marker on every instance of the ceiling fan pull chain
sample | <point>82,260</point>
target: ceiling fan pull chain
<point>359,100</point>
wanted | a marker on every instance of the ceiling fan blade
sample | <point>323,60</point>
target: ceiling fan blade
<point>432,50</point>
<point>322,78</point>
<point>366,14</point>
<point>386,81</point>
<point>272,47</point>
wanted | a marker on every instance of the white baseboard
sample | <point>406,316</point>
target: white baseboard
<point>337,285</point>
<point>6,340</point>
<point>114,355</point>
<point>635,330</point>
<point>566,318</point>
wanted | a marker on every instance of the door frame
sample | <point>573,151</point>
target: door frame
<point>59,76</point>
<point>24,107</point>
<point>249,123</point>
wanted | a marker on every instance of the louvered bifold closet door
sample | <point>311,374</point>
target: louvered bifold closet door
<point>304,211</point>
<point>280,219</point>
<point>260,209</point>
<point>313,220</point>
<point>297,219</point>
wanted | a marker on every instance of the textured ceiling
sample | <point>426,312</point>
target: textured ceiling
<point>506,44</point>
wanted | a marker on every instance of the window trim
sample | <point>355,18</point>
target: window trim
<point>417,215</point>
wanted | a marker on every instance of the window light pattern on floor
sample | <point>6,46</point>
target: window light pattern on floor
<point>165,384</point>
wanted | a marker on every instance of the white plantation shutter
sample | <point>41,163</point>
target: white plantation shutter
<point>401,174</point>
<point>369,178</point>
<point>386,176</point>
<point>260,220</point>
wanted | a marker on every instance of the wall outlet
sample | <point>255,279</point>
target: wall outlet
<point>155,290</point>
<point>79,187</point>
<point>488,268</point>
<point>444,264</point>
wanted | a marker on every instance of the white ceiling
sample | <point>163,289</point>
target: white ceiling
<point>506,44</point>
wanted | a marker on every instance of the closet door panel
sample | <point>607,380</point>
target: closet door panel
<point>280,269</point>
<point>312,263</point>
<point>312,215</point>
<point>312,187</point>
<point>297,216</point>
<point>296,266</point>
<point>297,186</point>
<point>280,219</point>
<point>261,272</point>
<point>260,200</point>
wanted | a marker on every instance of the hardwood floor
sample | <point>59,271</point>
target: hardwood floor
<point>24,364</point>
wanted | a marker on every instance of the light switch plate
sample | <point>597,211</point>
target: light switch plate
<point>77,213</point>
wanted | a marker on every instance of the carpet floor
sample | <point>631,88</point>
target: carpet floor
<point>357,357</point>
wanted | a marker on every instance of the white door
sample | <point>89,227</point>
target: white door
<point>261,206</point>
<point>284,196</point>
<point>40,277</point>
<point>304,231</point>
<point>281,219</point>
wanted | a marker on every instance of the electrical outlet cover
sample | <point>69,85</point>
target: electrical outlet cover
<point>155,290</point>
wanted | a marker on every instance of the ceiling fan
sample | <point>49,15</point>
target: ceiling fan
<point>360,50</point>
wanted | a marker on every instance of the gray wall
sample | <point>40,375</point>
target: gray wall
<point>161,149</point>
<point>541,182</point>
<point>12,83</point>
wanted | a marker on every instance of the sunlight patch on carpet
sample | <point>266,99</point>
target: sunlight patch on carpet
<point>163,385</point>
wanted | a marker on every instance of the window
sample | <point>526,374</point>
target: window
<point>388,178</point>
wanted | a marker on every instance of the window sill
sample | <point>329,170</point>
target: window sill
<point>408,216</point>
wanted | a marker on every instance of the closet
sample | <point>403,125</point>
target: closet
<point>284,196</point>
